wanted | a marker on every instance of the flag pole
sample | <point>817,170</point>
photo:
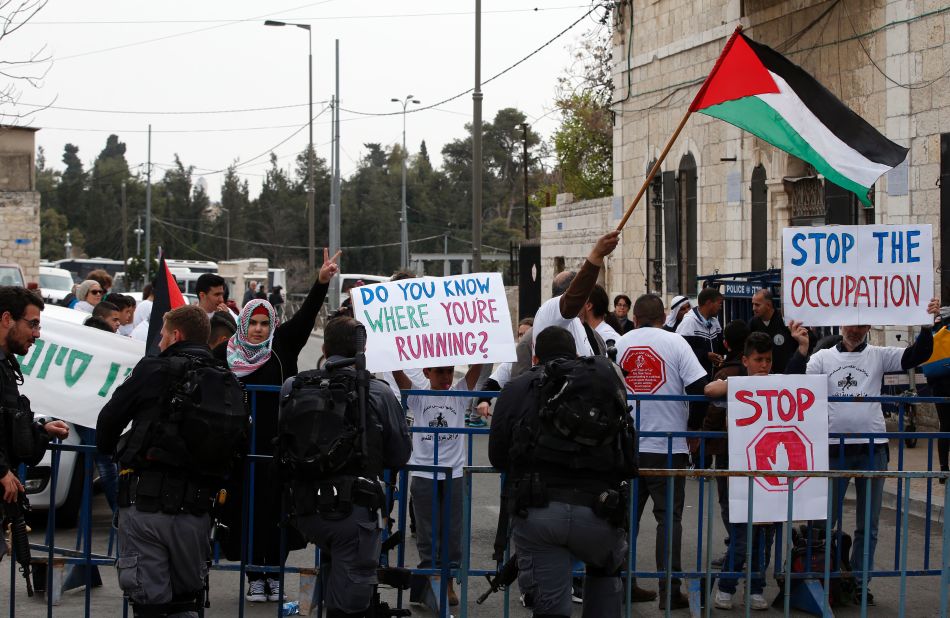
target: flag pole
<point>654,169</point>
<point>679,129</point>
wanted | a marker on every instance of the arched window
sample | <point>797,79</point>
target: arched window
<point>686,209</point>
<point>654,232</point>
<point>760,219</point>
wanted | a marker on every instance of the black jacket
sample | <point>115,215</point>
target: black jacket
<point>11,401</point>
<point>388,412</point>
<point>783,343</point>
<point>145,388</point>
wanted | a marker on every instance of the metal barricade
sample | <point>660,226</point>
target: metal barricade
<point>398,491</point>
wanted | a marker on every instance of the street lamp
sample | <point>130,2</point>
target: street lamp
<point>404,219</point>
<point>311,234</point>
<point>68,246</point>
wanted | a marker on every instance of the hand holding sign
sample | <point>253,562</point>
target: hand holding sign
<point>800,334</point>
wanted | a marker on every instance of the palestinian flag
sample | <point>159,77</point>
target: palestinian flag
<point>757,89</point>
<point>167,296</point>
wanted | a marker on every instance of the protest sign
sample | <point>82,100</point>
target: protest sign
<point>435,322</point>
<point>72,370</point>
<point>858,274</point>
<point>778,423</point>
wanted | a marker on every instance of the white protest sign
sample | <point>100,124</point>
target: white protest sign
<point>71,371</point>
<point>858,274</point>
<point>435,322</point>
<point>778,423</point>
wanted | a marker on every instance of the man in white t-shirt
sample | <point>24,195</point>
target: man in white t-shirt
<point>437,412</point>
<point>570,291</point>
<point>658,362</point>
<point>210,290</point>
<point>595,314</point>
<point>856,369</point>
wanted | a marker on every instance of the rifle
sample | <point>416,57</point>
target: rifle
<point>15,513</point>
<point>504,577</point>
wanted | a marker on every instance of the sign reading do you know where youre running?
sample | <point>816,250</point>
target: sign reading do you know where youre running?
<point>880,275</point>
<point>435,322</point>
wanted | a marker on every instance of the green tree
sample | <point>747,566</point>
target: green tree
<point>103,221</point>
<point>584,146</point>
<point>70,191</point>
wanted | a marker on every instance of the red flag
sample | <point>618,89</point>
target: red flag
<point>167,296</point>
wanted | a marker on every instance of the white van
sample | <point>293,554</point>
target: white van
<point>55,283</point>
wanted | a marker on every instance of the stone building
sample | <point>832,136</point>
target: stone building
<point>722,196</point>
<point>19,201</point>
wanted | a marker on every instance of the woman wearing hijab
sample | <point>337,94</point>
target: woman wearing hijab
<point>264,351</point>
<point>678,308</point>
<point>89,294</point>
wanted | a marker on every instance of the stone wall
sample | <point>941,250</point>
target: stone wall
<point>20,231</point>
<point>568,231</point>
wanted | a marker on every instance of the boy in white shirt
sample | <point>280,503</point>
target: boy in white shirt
<point>438,412</point>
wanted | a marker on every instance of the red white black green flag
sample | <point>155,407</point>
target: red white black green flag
<point>757,89</point>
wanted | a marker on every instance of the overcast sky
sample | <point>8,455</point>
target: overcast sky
<point>174,56</point>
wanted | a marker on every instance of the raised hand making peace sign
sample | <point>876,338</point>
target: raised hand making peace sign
<point>330,268</point>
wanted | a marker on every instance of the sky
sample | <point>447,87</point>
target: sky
<point>159,59</point>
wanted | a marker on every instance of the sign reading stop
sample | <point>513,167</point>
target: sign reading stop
<point>645,371</point>
<point>778,423</point>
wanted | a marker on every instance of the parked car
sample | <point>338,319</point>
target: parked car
<point>12,274</point>
<point>55,283</point>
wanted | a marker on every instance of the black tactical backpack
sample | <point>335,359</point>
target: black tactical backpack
<point>201,426</point>
<point>584,421</point>
<point>322,433</point>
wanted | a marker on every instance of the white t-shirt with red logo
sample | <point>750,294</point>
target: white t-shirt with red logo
<point>658,362</point>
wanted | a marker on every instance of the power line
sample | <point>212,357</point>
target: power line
<point>319,18</point>
<point>487,81</point>
<point>170,112</point>
<point>179,34</point>
<point>275,245</point>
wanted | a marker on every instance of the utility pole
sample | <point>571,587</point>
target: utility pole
<point>335,181</point>
<point>527,229</point>
<point>138,235</point>
<point>477,146</point>
<point>148,209</point>
<point>404,215</point>
<point>125,228</point>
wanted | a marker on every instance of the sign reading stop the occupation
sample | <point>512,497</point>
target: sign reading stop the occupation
<point>778,423</point>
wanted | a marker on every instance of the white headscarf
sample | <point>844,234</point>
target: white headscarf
<point>674,310</point>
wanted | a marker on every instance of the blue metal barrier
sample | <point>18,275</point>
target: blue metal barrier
<point>397,490</point>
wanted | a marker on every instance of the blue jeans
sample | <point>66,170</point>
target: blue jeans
<point>851,459</point>
<point>108,473</point>
<point>762,539</point>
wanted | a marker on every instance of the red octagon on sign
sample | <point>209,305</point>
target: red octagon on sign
<point>645,371</point>
<point>780,448</point>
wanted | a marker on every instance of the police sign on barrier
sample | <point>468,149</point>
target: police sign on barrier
<point>778,423</point>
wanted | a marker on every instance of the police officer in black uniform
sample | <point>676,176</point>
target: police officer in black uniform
<point>164,495</point>
<point>340,508</point>
<point>22,440</point>
<point>566,495</point>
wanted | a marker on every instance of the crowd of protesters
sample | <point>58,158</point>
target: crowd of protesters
<point>686,334</point>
